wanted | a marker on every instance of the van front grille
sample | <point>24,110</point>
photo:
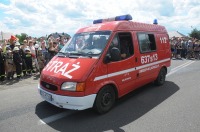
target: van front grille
<point>49,86</point>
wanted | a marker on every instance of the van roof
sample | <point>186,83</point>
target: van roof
<point>123,26</point>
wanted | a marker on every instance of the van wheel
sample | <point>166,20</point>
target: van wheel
<point>105,100</point>
<point>161,77</point>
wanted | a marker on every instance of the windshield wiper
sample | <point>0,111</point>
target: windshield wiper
<point>81,54</point>
<point>63,54</point>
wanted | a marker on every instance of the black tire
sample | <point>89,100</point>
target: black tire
<point>161,77</point>
<point>105,100</point>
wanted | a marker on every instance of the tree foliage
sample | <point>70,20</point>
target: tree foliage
<point>195,34</point>
<point>21,37</point>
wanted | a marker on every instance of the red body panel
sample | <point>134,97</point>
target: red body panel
<point>125,75</point>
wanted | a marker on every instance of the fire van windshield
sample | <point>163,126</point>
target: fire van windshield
<point>87,44</point>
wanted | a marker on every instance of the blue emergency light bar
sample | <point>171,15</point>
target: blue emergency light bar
<point>117,18</point>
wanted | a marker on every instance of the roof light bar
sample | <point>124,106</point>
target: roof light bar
<point>117,18</point>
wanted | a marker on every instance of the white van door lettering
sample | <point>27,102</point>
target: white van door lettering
<point>76,66</point>
<point>56,66</point>
<point>163,40</point>
<point>52,64</point>
<point>148,58</point>
<point>63,69</point>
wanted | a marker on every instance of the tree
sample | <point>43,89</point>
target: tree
<point>21,37</point>
<point>195,34</point>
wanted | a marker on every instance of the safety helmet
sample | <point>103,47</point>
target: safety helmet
<point>36,46</point>
<point>17,44</point>
<point>9,51</point>
<point>27,49</point>
<point>15,49</point>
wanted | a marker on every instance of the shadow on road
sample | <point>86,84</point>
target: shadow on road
<point>127,110</point>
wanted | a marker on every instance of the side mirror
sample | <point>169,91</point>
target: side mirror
<point>114,55</point>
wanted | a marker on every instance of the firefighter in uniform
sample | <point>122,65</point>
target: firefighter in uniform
<point>22,54</point>
<point>18,62</point>
<point>2,65</point>
<point>28,61</point>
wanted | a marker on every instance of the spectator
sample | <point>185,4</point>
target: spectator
<point>52,50</point>
<point>18,62</point>
<point>184,48</point>
<point>61,44</point>
<point>29,61</point>
<point>41,59</point>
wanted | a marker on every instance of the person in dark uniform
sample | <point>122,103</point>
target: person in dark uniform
<point>2,65</point>
<point>22,54</point>
<point>28,61</point>
<point>18,62</point>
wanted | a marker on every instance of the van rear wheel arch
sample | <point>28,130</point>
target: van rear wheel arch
<point>160,80</point>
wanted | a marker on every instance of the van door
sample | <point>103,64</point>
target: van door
<point>122,71</point>
<point>148,58</point>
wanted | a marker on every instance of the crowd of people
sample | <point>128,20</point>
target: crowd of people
<point>19,60</point>
<point>185,48</point>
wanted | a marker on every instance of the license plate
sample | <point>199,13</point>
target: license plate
<point>46,95</point>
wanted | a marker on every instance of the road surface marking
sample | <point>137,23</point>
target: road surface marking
<point>179,67</point>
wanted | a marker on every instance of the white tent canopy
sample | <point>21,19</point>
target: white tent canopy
<point>176,34</point>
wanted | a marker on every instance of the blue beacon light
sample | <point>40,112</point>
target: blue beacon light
<point>155,21</point>
<point>117,18</point>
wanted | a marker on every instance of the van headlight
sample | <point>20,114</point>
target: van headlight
<point>69,86</point>
<point>73,86</point>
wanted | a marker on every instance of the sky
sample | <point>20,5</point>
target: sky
<point>41,17</point>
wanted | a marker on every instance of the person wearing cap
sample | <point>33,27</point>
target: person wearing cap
<point>18,62</point>
<point>2,65</point>
<point>9,65</point>
<point>28,61</point>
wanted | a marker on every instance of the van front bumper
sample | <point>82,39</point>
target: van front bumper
<point>68,102</point>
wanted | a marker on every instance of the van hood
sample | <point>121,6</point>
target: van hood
<point>60,70</point>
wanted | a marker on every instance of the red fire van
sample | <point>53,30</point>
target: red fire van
<point>105,61</point>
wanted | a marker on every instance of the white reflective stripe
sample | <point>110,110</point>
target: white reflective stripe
<point>129,70</point>
<point>100,77</point>
<point>151,64</point>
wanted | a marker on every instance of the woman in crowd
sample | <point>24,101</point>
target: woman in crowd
<point>52,50</point>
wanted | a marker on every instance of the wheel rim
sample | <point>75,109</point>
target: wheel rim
<point>106,99</point>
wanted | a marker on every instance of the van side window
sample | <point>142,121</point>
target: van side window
<point>126,44</point>
<point>123,42</point>
<point>146,42</point>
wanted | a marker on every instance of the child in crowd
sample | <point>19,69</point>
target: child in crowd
<point>28,61</point>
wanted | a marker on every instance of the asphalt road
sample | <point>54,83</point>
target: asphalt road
<point>173,107</point>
